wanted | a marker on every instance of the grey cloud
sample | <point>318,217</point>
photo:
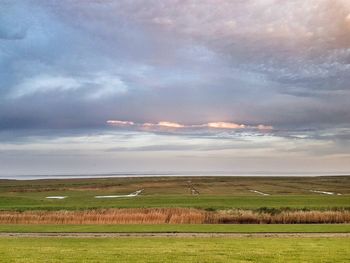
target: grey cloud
<point>67,67</point>
<point>184,147</point>
<point>280,64</point>
<point>12,29</point>
<point>13,34</point>
<point>152,148</point>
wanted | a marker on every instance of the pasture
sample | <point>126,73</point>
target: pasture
<point>165,192</point>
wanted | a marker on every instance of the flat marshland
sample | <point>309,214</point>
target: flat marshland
<point>215,193</point>
<point>170,200</point>
<point>32,226</point>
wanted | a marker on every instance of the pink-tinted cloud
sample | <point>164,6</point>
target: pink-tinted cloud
<point>170,124</point>
<point>225,125</point>
<point>120,123</point>
<point>173,126</point>
<point>264,127</point>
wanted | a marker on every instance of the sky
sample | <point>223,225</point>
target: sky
<point>241,86</point>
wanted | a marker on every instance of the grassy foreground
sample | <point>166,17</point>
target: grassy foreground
<point>194,228</point>
<point>30,250</point>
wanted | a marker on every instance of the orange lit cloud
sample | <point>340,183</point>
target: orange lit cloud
<point>225,125</point>
<point>170,124</point>
<point>264,127</point>
<point>166,125</point>
<point>347,21</point>
<point>160,125</point>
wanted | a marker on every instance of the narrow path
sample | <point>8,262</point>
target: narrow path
<point>120,235</point>
<point>258,192</point>
<point>325,193</point>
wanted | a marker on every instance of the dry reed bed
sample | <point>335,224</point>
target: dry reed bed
<point>171,216</point>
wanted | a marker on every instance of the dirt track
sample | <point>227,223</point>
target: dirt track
<point>121,235</point>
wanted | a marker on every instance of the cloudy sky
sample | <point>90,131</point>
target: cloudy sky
<point>101,86</point>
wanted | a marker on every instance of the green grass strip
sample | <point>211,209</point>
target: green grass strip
<point>110,250</point>
<point>213,228</point>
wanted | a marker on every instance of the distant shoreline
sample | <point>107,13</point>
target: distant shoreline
<point>164,174</point>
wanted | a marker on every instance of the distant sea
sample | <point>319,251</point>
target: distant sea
<point>159,174</point>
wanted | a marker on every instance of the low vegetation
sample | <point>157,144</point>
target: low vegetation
<point>170,200</point>
<point>219,185</point>
<point>215,193</point>
<point>173,216</point>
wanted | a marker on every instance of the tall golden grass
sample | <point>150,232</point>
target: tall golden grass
<point>171,216</point>
<point>284,217</point>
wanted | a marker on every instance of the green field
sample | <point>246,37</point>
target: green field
<point>81,201</point>
<point>36,250</point>
<point>215,193</point>
<point>179,228</point>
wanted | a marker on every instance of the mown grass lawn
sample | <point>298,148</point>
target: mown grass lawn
<point>168,228</point>
<point>36,250</point>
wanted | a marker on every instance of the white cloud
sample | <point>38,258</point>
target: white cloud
<point>93,87</point>
<point>105,85</point>
<point>45,84</point>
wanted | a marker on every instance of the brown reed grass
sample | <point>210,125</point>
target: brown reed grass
<point>172,216</point>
